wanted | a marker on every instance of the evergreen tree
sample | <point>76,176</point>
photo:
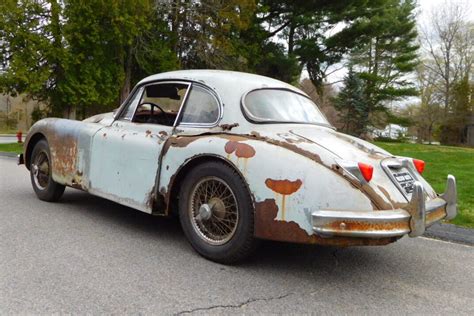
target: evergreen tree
<point>388,56</point>
<point>351,104</point>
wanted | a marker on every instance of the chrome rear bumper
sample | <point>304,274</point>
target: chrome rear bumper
<point>412,220</point>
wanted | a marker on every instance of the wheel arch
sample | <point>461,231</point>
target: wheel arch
<point>34,139</point>
<point>171,200</point>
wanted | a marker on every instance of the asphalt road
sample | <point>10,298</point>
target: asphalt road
<point>88,255</point>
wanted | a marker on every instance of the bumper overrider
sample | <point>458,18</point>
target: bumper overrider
<point>412,220</point>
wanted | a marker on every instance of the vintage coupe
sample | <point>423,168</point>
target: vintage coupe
<point>239,157</point>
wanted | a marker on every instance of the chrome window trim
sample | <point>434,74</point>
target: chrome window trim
<point>219,107</point>
<point>176,120</point>
<point>253,119</point>
<point>118,115</point>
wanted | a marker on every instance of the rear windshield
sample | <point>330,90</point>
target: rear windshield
<point>282,106</point>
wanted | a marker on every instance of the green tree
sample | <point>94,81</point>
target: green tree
<point>319,33</point>
<point>32,51</point>
<point>80,54</point>
<point>388,56</point>
<point>207,33</point>
<point>461,108</point>
<point>109,44</point>
<point>350,102</point>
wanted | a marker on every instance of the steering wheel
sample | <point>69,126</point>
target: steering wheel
<point>153,105</point>
<point>152,119</point>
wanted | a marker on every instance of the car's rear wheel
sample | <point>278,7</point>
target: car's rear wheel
<point>41,174</point>
<point>216,213</point>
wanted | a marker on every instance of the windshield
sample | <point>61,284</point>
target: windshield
<point>282,106</point>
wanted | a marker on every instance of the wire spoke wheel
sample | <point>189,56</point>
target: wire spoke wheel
<point>213,210</point>
<point>40,168</point>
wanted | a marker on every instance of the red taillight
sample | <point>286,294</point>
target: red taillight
<point>366,170</point>
<point>419,165</point>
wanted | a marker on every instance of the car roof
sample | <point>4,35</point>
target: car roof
<point>230,86</point>
<point>222,79</point>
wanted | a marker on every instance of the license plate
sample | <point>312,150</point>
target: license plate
<point>405,180</point>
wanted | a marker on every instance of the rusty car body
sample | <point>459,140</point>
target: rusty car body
<point>303,177</point>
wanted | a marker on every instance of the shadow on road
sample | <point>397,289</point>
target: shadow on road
<point>283,258</point>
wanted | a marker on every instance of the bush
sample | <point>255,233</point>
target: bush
<point>38,114</point>
<point>389,140</point>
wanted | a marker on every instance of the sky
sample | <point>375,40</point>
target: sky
<point>425,6</point>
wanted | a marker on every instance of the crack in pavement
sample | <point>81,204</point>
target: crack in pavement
<point>249,301</point>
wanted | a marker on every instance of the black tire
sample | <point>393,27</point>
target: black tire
<point>43,185</point>
<point>241,241</point>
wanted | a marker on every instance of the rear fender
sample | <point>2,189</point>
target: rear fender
<point>285,186</point>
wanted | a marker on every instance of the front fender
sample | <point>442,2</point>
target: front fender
<point>69,144</point>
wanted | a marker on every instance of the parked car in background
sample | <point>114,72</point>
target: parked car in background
<point>239,157</point>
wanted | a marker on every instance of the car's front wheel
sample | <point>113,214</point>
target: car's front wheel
<point>216,213</point>
<point>41,174</point>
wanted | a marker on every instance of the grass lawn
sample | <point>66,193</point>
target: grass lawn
<point>441,161</point>
<point>11,148</point>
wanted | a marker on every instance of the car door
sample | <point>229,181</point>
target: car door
<point>125,155</point>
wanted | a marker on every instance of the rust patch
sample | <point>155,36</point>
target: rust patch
<point>358,226</point>
<point>150,198</point>
<point>147,133</point>
<point>163,133</point>
<point>387,195</point>
<point>285,187</point>
<point>76,181</point>
<point>179,142</point>
<point>241,150</point>
<point>435,215</point>
<point>385,192</point>
<point>376,199</point>
<point>183,141</point>
<point>266,227</point>
<point>228,127</point>
<point>63,154</point>
<point>289,146</point>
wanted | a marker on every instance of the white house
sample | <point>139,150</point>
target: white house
<point>392,131</point>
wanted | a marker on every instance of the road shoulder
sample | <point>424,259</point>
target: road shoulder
<point>451,232</point>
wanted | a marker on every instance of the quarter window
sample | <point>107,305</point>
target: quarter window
<point>201,107</point>
<point>128,113</point>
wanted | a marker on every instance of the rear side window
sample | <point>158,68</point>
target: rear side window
<point>281,106</point>
<point>201,107</point>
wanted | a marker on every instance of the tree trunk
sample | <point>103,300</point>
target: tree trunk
<point>124,92</point>
<point>430,131</point>
<point>291,38</point>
